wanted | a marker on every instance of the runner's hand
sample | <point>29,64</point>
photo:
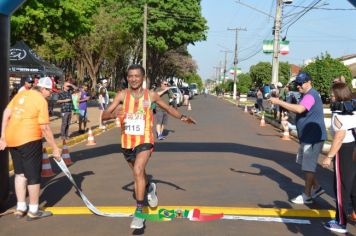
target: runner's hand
<point>3,144</point>
<point>188,120</point>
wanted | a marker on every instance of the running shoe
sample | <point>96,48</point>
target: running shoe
<point>38,215</point>
<point>334,226</point>
<point>20,214</point>
<point>302,199</point>
<point>137,223</point>
<point>317,192</point>
<point>152,195</point>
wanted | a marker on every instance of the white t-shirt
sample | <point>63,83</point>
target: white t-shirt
<point>347,122</point>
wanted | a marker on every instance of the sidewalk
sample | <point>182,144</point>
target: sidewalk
<point>75,137</point>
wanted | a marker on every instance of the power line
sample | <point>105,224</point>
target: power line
<point>328,9</point>
<point>307,10</point>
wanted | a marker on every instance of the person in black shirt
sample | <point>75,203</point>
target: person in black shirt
<point>65,100</point>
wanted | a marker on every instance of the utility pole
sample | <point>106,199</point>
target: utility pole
<point>235,58</point>
<point>146,82</point>
<point>217,72</point>
<point>276,31</point>
<point>225,60</point>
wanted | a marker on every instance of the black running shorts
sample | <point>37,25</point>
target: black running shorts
<point>27,160</point>
<point>130,154</point>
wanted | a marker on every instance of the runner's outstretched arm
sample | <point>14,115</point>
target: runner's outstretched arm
<point>108,113</point>
<point>173,112</point>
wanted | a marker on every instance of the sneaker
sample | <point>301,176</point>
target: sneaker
<point>38,215</point>
<point>137,223</point>
<point>20,214</point>
<point>161,137</point>
<point>152,196</point>
<point>302,199</point>
<point>317,192</point>
<point>333,225</point>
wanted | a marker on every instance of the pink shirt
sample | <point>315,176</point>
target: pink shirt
<point>307,101</point>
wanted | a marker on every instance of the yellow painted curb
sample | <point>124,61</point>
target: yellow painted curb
<point>274,212</point>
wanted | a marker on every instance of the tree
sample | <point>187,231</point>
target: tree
<point>171,24</point>
<point>261,73</point>
<point>324,70</point>
<point>194,78</point>
<point>284,72</point>
<point>244,84</point>
<point>64,18</point>
<point>177,63</point>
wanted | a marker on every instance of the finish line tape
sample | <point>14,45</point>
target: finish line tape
<point>65,170</point>
<point>96,211</point>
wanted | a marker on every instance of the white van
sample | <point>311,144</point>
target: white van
<point>194,88</point>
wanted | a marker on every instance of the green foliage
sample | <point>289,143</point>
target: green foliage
<point>112,94</point>
<point>65,18</point>
<point>324,70</point>
<point>284,72</point>
<point>194,78</point>
<point>261,73</point>
<point>244,84</point>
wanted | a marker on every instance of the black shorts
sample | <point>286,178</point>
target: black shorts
<point>27,160</point>
<point>130,154</point>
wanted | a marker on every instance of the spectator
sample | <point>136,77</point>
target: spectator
<point>13,92</point>
<point>54,96</point>
<point>161,115</point>
<point>343,124</point>
<point>32,121</point>
<point>65,100</point>
<point>84,98</point>
<point>105,91</point>
<point>259,100</point>
<point>311,134</point>
<point>27,85</point>
<point>101,104</point>
<point>75,99</point>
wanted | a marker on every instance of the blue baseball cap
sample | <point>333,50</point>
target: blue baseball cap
<point>29,79</point>
<point>302,77</point>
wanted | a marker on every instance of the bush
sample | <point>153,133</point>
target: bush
<point>112,94</point>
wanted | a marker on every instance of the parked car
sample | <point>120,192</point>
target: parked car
<point>186,89</point>
<point>252,93</point>
<point>178,94</point>
<point>194,88</point>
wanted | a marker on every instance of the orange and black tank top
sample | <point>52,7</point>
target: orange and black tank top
<point>137,122</point>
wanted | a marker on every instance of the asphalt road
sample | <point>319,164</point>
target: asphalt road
<point>226,160</point>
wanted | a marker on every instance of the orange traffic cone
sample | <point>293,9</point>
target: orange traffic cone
<point>352,216</point>
<point>263,123</point>
<point>65,154</point>
<point>46,165</point>
<point>117,122</point>
<point>246,108</point>
<point>91,140</point>
<point>189,107</point>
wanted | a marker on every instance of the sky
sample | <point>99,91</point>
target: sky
<point>318,31</point>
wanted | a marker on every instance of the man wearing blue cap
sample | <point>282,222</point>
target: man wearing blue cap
<point>27,85</point>
<point>311,133</point>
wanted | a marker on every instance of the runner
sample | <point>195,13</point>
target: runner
<point>137,139</point>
